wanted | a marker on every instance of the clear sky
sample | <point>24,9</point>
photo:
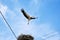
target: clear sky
<point>46,27</point>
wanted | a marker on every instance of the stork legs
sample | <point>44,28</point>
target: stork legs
<point>28,22</point>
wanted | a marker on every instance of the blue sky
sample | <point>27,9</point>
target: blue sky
<point>46,27</point>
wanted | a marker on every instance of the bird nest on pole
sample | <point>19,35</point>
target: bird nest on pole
<point>25,37</point>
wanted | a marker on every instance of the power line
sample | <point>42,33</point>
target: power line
<point>8,24</point>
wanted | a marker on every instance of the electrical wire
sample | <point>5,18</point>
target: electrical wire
<point>8,24</point>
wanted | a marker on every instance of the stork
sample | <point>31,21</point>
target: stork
<point>28,17</point>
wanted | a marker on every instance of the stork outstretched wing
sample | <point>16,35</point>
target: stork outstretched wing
<point>25,14</point>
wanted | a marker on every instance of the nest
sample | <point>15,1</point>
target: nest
<point>25,37</point>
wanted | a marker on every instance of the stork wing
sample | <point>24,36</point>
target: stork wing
<point>25,14</point>
<point>32,17</point>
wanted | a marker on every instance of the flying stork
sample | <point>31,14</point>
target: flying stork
<point>28,17</point>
